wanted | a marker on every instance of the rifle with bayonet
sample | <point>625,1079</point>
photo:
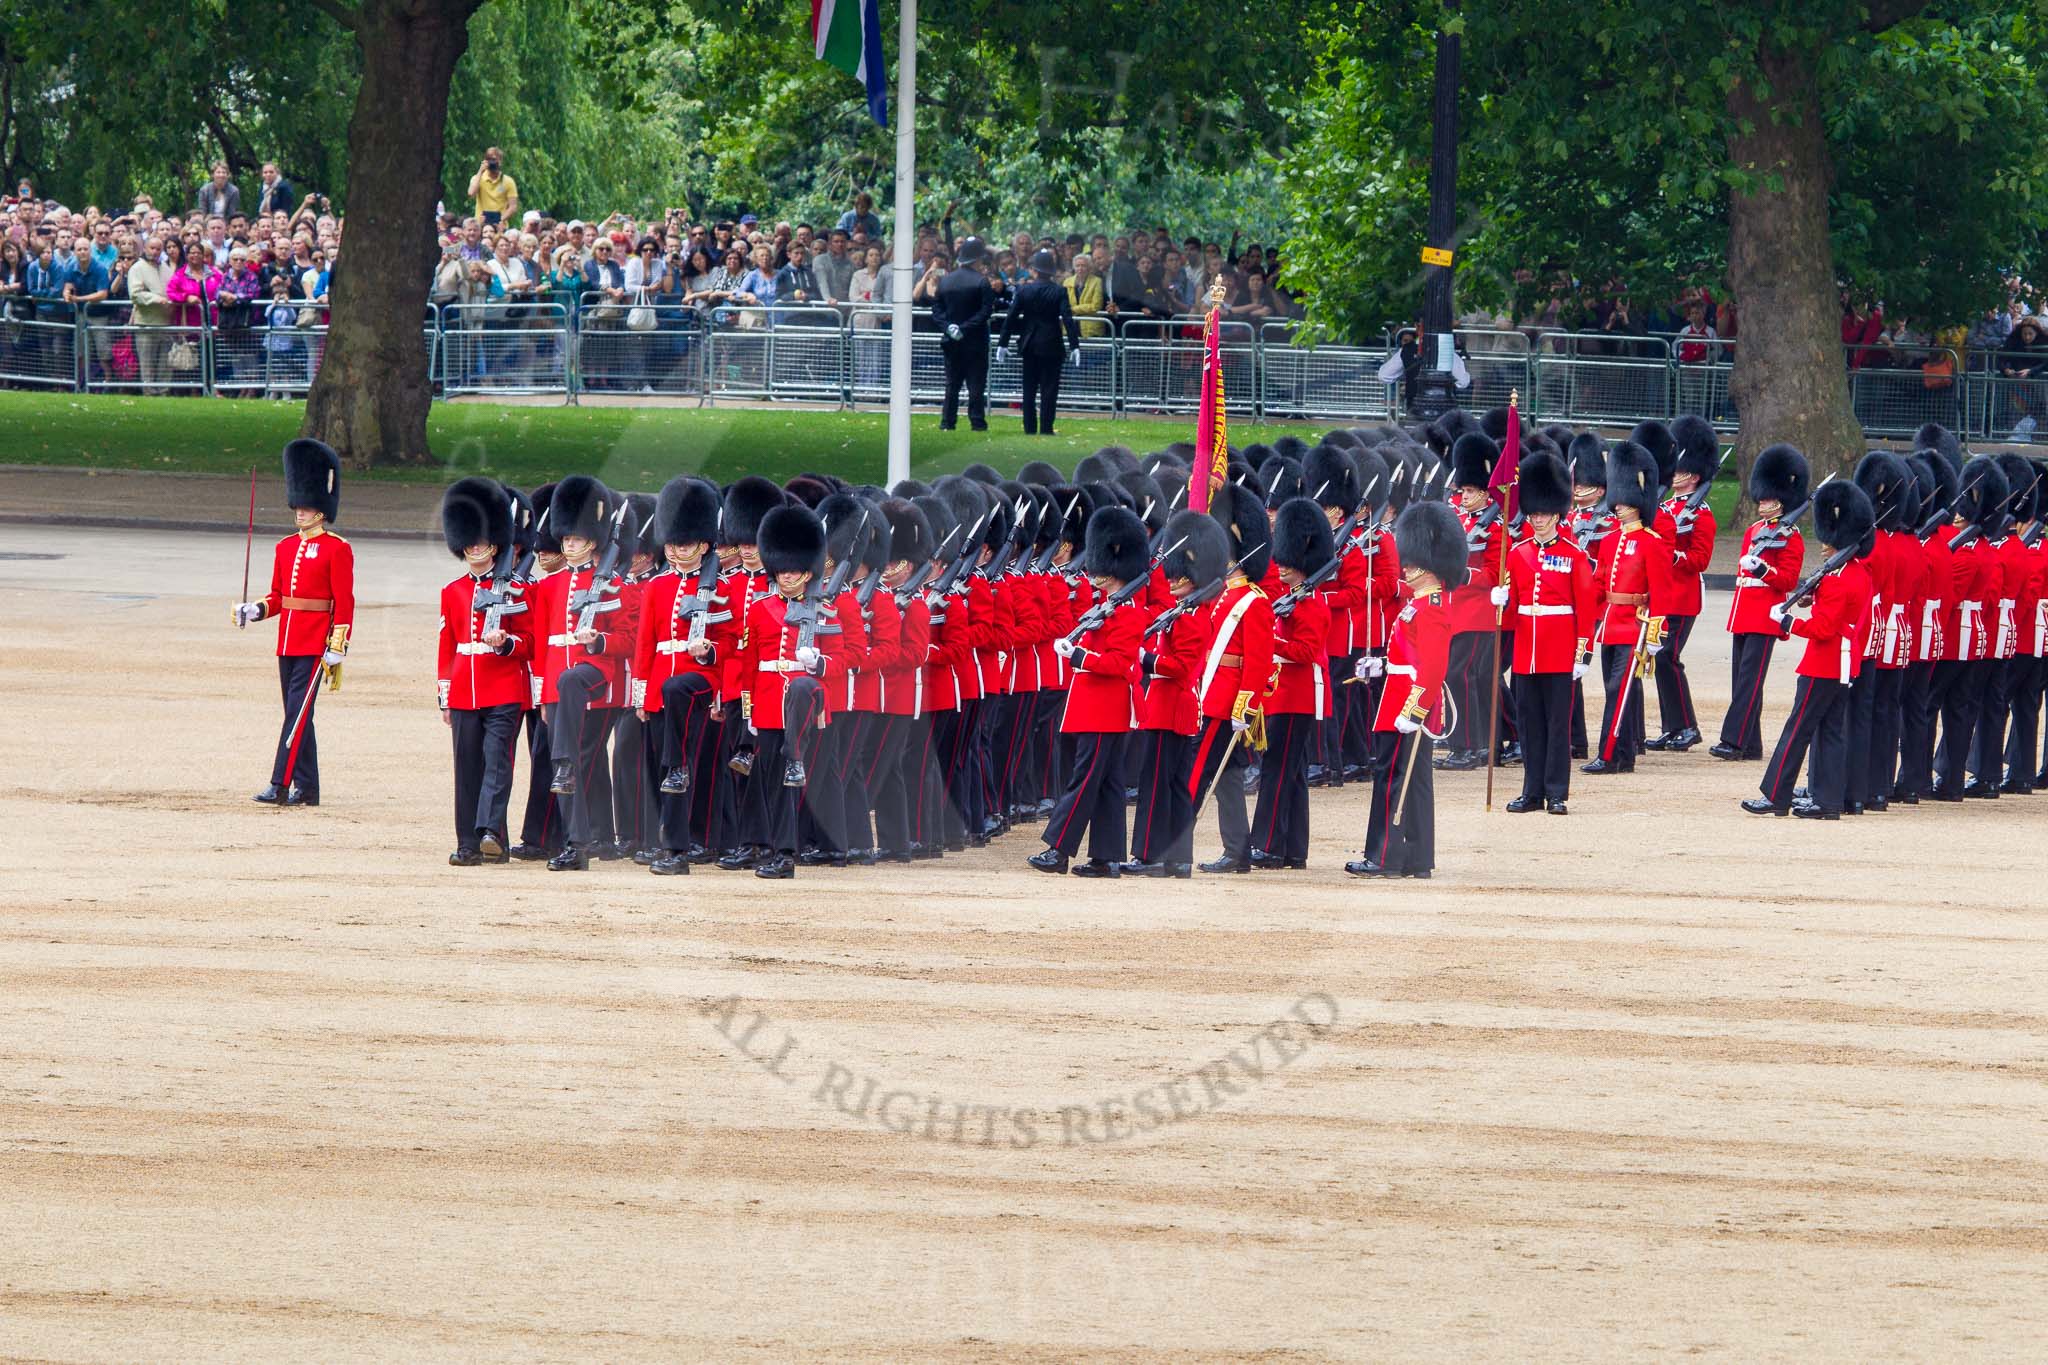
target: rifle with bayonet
<point>1284,606</point>
<point>803,613</point>
<point>1689,510</point>
<point>949,579</point>
<point>1810,584</point>
<point>1163,622</point>
<point>924,573</point>
<point>603,592</point>
<point>1779,533</point>
<point>1099,613</point>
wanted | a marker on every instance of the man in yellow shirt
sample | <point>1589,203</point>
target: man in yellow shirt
<point>496,193</point>
<point>1087,297</point>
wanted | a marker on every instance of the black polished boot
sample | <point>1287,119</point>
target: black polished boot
<point>564,781</point>
<point>1096,867</point>
<point>1226,863</point>
<point>780,867</point>
<point>570,859</point>
<point>270,795</point>
<point>675,781</point>
<point>1052,860</point>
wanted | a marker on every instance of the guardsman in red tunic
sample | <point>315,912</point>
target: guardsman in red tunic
<point>1330,480</point>
<point>2004,666</point>
<point>1400,838</point>
<point>1549,597</point>
<point>1235,671</point>
<point>1895,566</point>
<point>1299,697</point>
<point>1772,552</point>
<point>824,810</point>
<point>784,662</point>
<point>540,828</point>
<point>1835,623</point>
<point>1170,664</point>
<point>313,598</point>
<point>587,634</point>
<point>1063,605</point>
<point>1934,485</point>
<point>481,669</point>
<point>900,757</point>
<point>881,625</point>
<point>1101,706</point>
<point>1473,457</point>
<point>1589,523</point>
<point>742,582</point>
<point>1967,643</point>
<point>1634,577</point>
<point>2023,745</point>
<point>1699,452</point>
<point>635,745</point>
<point>686,632</point>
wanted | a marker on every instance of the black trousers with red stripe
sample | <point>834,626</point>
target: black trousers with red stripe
<point>910,808</point>
<point>1093,802</point>
<point>576,731</point>
<point>1618,742</point>
<point>484,743</point>
<point>771,805</point>
<point>1887,685</point>
<point>1280,821</point>
<point>298,675</point>
<point>1994,706</point>
<point>1163,824</point>
<point>1465,680</point>
<point>1224,776</point>
<point>1674,689</point>
<point>541,826</point>
<point>1542,709</point>
<point>1916,729</point>
<point>634,812</point>
<point>688,742</point>
<point>1819,722</point>
<point>1742,728</point>
<point>2023,741</point>
<point>1408,844</point>
<point>1956,695</point>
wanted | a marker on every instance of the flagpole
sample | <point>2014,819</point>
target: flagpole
<point>906,231</point>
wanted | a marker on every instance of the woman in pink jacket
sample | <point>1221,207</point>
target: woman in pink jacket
<point>193,284</point>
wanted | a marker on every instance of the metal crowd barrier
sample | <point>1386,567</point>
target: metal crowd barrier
<point>840,356</point>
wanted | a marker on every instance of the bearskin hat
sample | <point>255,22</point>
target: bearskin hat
<point>1097,468</point>
<point>2021,493</point>
<point>910,531</point>
<point>982,473</point>
<point>1936,479</point>
<point>1255,454</point>
<point>1656,438</point>
<point>1885,480</point>
<point>1632,479</point>
<point>939,520</point>
<point>1382,435</point>
<point>1070,513</point>
<point>1982,494</point>
<point>747,504</point>
<point>1585,460</point>
<point>1282,478</point>
<point>1559,435</point>
<point>1472,460</point>
<point>1002,516</point>
<point>686,512</point>
<point>1699,449</point>
<point>475,511</point>
<point>968,499</point>
<point>546,540</point>
<point>640,526</point>
<point>1341,436</point>
<point>1023,511</point>
<point>1331,477</point>
<point>1198,548</point>
<point>1493,423</point>
<point>808,489</point>
<point>792,540</point>
<point>1780,475</point>
<point>1429,536</point>
<point>1404,472</point>
<point>312,477</point>
<point>1149,496</point>
<point>1243,516</point>
<point>1173,482</point>
<point>1291,446</point>
<point>1545,489</point>
<point>911,488</point>
<point>1117,546</point>
<point>1184,451</point>
<point>1842,514</point>
<point>522,518</point>
<point>875,551</point>
<point>1038,471</point>
<point>1162,459</point>
<point>1939,439</point>
<point>847,522</point>
<point>1302,539</point>
<point>1443,433</point>
<point>1046,524</point>
<point>583,507</point>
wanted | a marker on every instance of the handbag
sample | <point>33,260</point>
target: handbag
<point>309,317</point>
<point>640,317</point>
<point>183,357</point>
<point>1938,372</point>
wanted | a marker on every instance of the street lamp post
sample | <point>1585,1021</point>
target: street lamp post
<point>1435,393</point>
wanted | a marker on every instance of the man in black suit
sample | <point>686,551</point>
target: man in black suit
<point>1046,335</point>
<point>961,308</point>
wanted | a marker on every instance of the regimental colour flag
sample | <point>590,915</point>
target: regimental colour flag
<point>848,34</point>
<point>1212,441</point>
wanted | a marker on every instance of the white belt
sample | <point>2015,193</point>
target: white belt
<point>1970,608</point>
<point>671,646</point>
<point>1404,670</point>
<point>475,647</point>
<point>561,639</point>
<point>781,666</point>
<point>1559,610</point>
<point>1743,582</point>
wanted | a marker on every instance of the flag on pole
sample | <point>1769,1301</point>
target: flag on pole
<point>848,34</point>
<point>1212,445</point>
<point>1504,487</point>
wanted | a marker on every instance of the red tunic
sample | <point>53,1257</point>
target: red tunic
<point>1417,654</point>
<point>1101,699</point>
<point>1900,596</point>
<point>1346,596</point>
<point>469,674</point>
<point>768,658</point>
<point>312,569</point>
<point>1239,657</point>
<point>991,620</point>
<point>1634,575</point>
<point>2016,567</point>
<point>1551,602</point>
<point>1472,605</point>
<point>740,590</point>
<point>1749,612</point>
<point>1171,665</point>
<point>615,629</point>
<point>950,676</point>
<point>1836,631</point>
<point>903,675</point>
<point>885,647</point>
<point>1301,655</point>
<point>845,653</point>
<point>1973,588</point>
<point>1692,552</point>
<point>659,651</point>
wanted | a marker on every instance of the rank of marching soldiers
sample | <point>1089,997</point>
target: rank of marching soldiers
<point>918,1113</point>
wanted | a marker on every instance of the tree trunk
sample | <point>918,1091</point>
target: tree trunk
<point>370,399</point>
<point>1789,383</point>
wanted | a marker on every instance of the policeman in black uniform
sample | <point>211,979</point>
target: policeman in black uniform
<point>1046,335</point>
<point>962,309</point>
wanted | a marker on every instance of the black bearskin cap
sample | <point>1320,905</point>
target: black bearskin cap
<point>1842,514</point>
<point>546,540</point>
<point>1585,460</point>
<point>1429,536</point>
<point>1342,436</point>
<point>1023,510</point>
<point>312,477</point>
<point>1117,546</point>
<point>939,520</point>
<point>1038,471</point>
<point>1150,497</point>
<point>847,522</point>
<point>640,526</point>
<point>1545,489</point>
<point>910,532</point>
<point>1656,438</point>
<point>1494,423</point>
<point>1443,433</point>
<point>1472,460</point>
<point>875,552</point>
<point>747,504</point>
<point>1291,446</point>
<point>1632,479</point>
<point>1886,481</point>
<point>1243,517</point>
<point>911,488</point>
<point>583,507</point>
<point>1046,514</point>
<point>1199,548</point>
<point>1331,477</point>
<point>1173,482</point>
<point>792,540</point>
<point>1936,479</point>
<point>2020,485</point>
<point>1780,474</point>
<point>1282,477</point>
<point>1939,439</point>
<point>1302,539</point>
<point>522,518</point>
<point>475,511</point>
<point>1983,492</point>
<point>982,473</point>
<point>1699,449</point>
<point>808,489</point>
<point>967,499</point>
<point>687,511</point>
<point>1071,509</point>
<point>1373,473</point>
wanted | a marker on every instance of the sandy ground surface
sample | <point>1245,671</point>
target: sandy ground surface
<point>1657,1079</point>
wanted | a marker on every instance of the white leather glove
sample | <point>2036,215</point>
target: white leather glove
<point>1074,357</point>
<point>807,657</point>
<point>1370,666</point>
<point>952,331</point>
<point>1241,724</point>
<point>1499,596</point>
<point>1653,650</point>
<point>1063,647</point>
<point>331,658</point>
<point>1580,668</point>
<point>1753,564</point>
<point>1002,355</point>
<point>1407,724</point>
<point>248,613</point>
